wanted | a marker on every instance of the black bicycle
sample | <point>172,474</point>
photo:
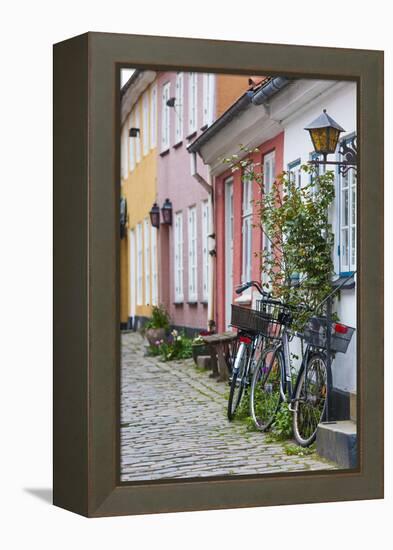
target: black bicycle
<point>272,378</point>
<point>249,344</point>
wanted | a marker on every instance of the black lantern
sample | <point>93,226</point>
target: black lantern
<point>155,215</point>
<point>134,132</point>
<point>325,133</point>
<point>123,217</point>
<point>167,212</point>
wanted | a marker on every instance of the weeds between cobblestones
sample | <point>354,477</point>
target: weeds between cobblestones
<point>174,425</point>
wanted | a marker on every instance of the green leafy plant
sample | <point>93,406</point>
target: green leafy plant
<point>178,346</point>
<point>296,450</point>
<point>282,425</point>
<point>159,318</point>
<point>297,264</point>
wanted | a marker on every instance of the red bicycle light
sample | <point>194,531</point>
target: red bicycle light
<point>245,339</point>
<point>341,329</point>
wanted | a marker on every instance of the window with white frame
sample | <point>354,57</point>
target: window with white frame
<point>137,139</point>
<point>178,246</point>
<point>205,247</point>
<point>145,129</point>
<point>294,172</point>
<point>146,240</point>
<point>192,102</point>
<point>247,230</point>
<point>269,172</point>
<point>192,255</point>
<point>347,222</point>
<point>208,99</point>
<point>153,117</point>
<point>139,268</point>
<point>131,143</point>
<point>154,272</point>
<point>179,107</point>
<point>165,117</point>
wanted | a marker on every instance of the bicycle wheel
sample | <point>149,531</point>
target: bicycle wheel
<point>237,385</point>
<point>310,399</point>
<point>265,395</point>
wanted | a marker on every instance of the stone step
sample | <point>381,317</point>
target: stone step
<point>204,362</point>
<point>337,441</point>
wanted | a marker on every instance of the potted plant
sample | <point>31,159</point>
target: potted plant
<point>156,328</point>
<point>199,347</point>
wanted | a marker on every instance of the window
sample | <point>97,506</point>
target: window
<point>294,172</point>
<point>205,247</point>
<point>208,99</point>
<point>269,171</point>
<point>139,258</point>
<point>146,238</point>
<point>153,117</point>
<point>347,221</point>
<point>137,139</point>
<point>320,169</point>
<point>165,117</point>
<point>247,230</point>
<point>145,129</point>
<point>178,245</point>
<point>154,273</point>
<point>192,255</point>
<point>179,108</point>
<point>131,142</point>
<point>192,102</point>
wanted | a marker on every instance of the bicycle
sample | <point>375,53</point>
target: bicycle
<point>249,342</point>
<point>272,379</point>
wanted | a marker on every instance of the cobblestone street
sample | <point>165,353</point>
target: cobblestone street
<point>174,425</point>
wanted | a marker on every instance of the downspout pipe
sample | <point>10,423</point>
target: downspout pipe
<point>207,185</point>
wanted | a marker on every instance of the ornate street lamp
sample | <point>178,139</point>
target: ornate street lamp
<point>134,132</point>
<point>167,212</point>
<point>155,215</point>
<point>325,133</point>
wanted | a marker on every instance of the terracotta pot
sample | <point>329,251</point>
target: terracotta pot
<point>154,334</point>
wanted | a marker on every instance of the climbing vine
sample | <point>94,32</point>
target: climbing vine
<point>296,261</point>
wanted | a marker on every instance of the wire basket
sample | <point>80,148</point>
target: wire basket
<point>315,330</point>
<point>267,320</point>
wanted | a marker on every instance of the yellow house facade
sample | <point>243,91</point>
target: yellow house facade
<point>138,247</point>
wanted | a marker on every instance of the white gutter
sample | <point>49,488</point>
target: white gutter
<point>207,185</point>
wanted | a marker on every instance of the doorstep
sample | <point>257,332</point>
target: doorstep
<point>337,441</point>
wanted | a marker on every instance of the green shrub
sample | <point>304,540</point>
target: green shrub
<point>159,318</point>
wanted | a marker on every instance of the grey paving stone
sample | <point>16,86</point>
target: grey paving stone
<point>174,425</point>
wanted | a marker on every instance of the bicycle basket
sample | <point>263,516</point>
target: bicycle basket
<point>315,334</point>
<point>268,322</point>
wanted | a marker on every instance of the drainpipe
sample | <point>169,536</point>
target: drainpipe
<point>207,185</point>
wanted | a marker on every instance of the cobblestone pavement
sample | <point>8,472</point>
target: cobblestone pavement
<point>174,425</point>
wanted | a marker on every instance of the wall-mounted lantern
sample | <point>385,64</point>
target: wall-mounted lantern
<point>167,212</point>
<point>325,133</point>
<point>134,132</point>
<point>155,215</point>
<point>123,217</point>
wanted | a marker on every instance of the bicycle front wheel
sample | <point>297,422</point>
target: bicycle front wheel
<point>237,382</point>
<point>265,395</point>
<point>310,399</point>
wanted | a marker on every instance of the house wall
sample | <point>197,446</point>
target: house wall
<point>139,187</point>
<point>176,183</point>
<point>274,144</point>
<point>340,102</point>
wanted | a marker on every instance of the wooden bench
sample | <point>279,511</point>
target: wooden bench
<point>220,349</point>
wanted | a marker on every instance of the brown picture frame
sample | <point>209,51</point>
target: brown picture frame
<point>86,274</point>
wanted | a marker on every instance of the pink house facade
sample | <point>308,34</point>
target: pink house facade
<point>188,103</point>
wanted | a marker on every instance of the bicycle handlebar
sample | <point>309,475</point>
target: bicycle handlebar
<point>249,284</point>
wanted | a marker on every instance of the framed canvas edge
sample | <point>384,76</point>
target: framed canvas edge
<point>106,53</point>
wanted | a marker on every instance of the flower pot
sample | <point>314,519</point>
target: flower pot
<point>199,349</point>
<point>154,335</point>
